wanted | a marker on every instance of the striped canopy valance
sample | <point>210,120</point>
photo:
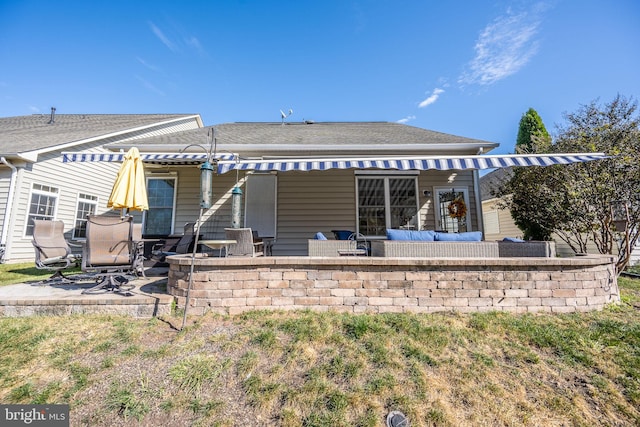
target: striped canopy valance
<point>228,161</point>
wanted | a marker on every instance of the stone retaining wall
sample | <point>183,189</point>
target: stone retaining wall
<point>381,285</point>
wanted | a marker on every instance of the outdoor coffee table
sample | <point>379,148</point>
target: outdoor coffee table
<point>219,245</point>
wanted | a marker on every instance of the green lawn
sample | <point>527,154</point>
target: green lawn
<point>25,272</point>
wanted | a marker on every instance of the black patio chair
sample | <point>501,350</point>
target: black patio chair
<point>183,245</point>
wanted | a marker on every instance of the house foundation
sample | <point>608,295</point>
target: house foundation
<point>383,285</point>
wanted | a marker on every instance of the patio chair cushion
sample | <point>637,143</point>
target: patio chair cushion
<point>468,236</point>
<point>342,234</point>
<point>320,236</point>
<point>416,235</point>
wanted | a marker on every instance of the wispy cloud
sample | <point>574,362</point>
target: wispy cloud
<point>149,86</point>
<point>503,47</point>
<point>164,39</point>
<point>195,44</point>
<point>432,98</point>
<point>406,119</point>
<point>146,64</point>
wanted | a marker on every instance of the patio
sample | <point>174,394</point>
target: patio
<point>148,299</point>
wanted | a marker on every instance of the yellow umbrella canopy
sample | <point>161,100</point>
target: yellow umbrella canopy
<point>130,190</point>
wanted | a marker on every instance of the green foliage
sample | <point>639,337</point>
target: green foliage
<point>574,201</point>
<point>532,137</point>
<point>532,134</point>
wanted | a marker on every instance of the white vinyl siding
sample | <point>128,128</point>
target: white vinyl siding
<point>307,202</point>
<point>96,178</point>
<point>491,222</point>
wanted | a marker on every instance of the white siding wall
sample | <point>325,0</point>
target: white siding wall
<point>308,202</point>
<point>70,178</point>
<point>505,224</point>
<point>95,178</point>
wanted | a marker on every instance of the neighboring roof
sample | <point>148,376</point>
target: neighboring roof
<point>22,134</point>
<point>492,180</point>
<point>261,138</point>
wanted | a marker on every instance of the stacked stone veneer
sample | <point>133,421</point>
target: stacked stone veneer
<point>380,285</point>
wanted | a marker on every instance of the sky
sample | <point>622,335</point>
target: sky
<point>468,68</point>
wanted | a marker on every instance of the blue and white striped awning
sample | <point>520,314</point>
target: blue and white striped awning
<point>228,161</point>
<point>156,158</point>
<point>410,163</point>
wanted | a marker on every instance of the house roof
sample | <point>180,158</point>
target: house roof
<point>23,134</point>
<point>491,181</point>
<point>313,138</point>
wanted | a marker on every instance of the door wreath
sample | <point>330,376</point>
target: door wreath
<point>457,208</point>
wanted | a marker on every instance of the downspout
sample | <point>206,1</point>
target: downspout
<point>478,199</point>
<point>9,205</point>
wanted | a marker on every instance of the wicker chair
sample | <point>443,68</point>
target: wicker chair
<point>109,252</point>
<point>53,252</point>
<point>245,244</point>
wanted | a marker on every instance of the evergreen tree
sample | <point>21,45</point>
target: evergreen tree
<point>532,138</point>
<point>532,135</point>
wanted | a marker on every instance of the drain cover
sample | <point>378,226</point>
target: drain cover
<point>397,419</point>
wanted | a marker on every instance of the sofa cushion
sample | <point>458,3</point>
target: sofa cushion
<point>320,236</point>
<point>468,236</point>
<point>416,235</point>
<point>512,239</point>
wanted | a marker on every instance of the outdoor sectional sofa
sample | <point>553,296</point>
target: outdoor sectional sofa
<point>432,244</point>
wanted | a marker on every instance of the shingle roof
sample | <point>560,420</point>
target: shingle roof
<point>299,135</point>
<point>492,181</point>
<point>26,133</point>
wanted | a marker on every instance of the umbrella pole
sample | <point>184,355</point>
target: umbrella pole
<point>193,260</point>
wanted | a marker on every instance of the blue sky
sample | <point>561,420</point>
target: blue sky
<point>466,68</point>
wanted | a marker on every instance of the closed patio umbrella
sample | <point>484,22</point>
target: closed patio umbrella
<point>130,190</point>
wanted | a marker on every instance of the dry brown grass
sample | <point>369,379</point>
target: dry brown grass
<point>329,369</point>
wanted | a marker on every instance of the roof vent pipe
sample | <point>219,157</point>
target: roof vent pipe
<point>53,116</point>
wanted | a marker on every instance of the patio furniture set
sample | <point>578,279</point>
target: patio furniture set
<point>112,253</point>
<point>433,244</point>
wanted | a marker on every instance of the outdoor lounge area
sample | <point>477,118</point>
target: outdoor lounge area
<point>359,284</point>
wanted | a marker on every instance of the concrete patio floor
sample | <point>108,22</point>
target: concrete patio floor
<point>147,299</point>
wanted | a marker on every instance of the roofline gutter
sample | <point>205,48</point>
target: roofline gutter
<point>9,204</point>
<point>471,148</point>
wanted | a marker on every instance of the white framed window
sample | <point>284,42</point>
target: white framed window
<point>386,202</point>
<point>43,203</point>
<point>161,193</point>
<point>85,205</point>
<point>447,204</point>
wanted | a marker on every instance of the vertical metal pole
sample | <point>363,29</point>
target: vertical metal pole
<point>193,260</point>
